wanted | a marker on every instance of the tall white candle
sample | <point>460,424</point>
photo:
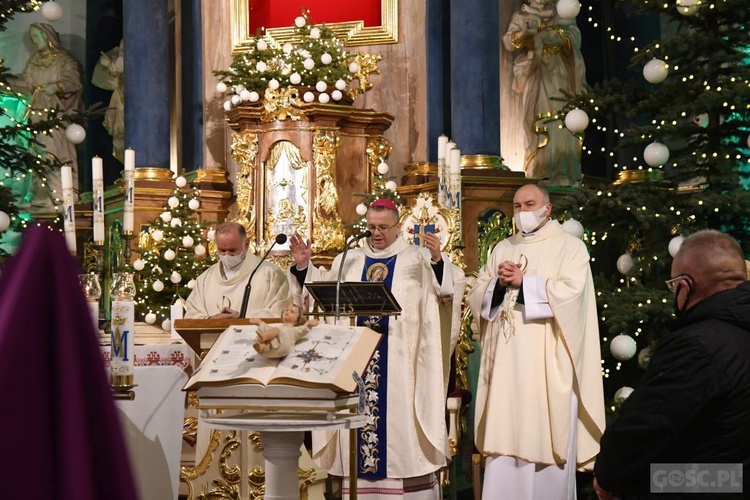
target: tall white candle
<point>69,221</point>
<point>122,357</point>
<point>455,164</point>
<point>442,174</point>
<point>447,172</point>
<point>128,204</point>
<point>455,176</point>
<point>97,181</point>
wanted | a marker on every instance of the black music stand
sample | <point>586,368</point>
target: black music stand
<point>360,298</point>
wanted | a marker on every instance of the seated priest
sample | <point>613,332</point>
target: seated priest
<point>404,442</point>
<point>219,290</point>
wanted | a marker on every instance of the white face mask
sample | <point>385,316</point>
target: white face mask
<point>232,261</point>
<point>528,221</point>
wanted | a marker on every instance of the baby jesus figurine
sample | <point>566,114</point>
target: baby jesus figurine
<point>277,342</point>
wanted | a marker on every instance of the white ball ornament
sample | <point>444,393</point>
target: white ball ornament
<point>308,63</point>
<point>236,100</point>
<point>261,45</point>
<point>622,394</point>
<point>326,58</point>
<point>315,33</point>
<point>51,11</point>
<point>287,48</point>
<point>299,21</point>
<point>576,120</point>
<point>321,86</point>
<point>748,141</point>
<point>165,216</point>
<point>308,97</point>
<point>181,182</point>
<point>158,285</point>
<point>353,67</point>
<point>4,221</point>
<point>573,227</point>
<point>336,95</point>
<point>656,154</point>
<point>239,88</point>
<point>391,185</point>
<point>211,234</point>
<point>623,347</point>
<point>340,84</point>
<point>254,96</point>
<point>166,325</point>
<point>568,9</point>
<point>200,250</point>
<point>675,244</point>
<point>173,202</point>
<point>295,79</point>
<point>260,66</point>
<point>75,134</point>
<point>655,71</point>
<point>227,105</point>
<point>273,84</point>
<point>245,95</point>
<point>175,222</point>
<point>157,235</point>
<point>361,209</point>
<point>175,277</point>
<point>324,98</point>
<point>221,87</point>
<point>688,7</point>
<point>138,265</point>
<point>150,318</point>
<point>382,168</point>
<point>191,284</point>
<point>625,263</point>
<point>169,254</point>
<point>194,204</point>
<point>187,241</point>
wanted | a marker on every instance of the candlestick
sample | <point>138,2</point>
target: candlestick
<point>69,221</point>
<point>442,177</point>
<point>447,172</point>
<point>128,204</point>
<point>97,182</point>
<point>455,176</point>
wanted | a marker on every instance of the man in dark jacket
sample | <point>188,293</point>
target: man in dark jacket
<point>691,413</point>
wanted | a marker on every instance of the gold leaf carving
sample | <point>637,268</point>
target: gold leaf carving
<point>281,104</point>
<point>368,65</point>
<point>328,230</point>
<point>245,153</point>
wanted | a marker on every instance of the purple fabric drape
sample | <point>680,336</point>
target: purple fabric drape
<point>60,436</point>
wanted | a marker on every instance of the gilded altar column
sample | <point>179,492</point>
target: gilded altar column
<point>146,81</point>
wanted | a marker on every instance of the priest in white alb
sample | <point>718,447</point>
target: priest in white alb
<point>539,403</point>
<point>404,442</point>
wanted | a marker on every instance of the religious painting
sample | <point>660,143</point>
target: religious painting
<point>364,22</point>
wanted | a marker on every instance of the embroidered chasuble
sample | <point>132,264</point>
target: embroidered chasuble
<point>405,435</point>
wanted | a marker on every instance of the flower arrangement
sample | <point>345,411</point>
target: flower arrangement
<point>317,62</point>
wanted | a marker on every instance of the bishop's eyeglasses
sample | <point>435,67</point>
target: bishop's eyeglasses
<point>382,229</point>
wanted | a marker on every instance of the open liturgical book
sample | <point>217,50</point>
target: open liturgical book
<point>325,358</point>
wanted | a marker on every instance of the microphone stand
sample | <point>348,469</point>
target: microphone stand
<point>280,239</point>
<point>358,237</point>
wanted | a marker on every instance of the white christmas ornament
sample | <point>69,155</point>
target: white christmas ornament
<point>391,185</point>
<point>623,347</point>
<point>236,100</point>
<point>336,95</point>
<point>4,221</point>
<point>175,277</point>
<point>622,394</point>
<point>273,84</point>
<point>688,7</point>
<point>227,105</point>
<point>261,45</point>
<point>568,9</point>
<point>75,134</point>
<point>165,216</point>
<point>576,120</point>
<point>166,325</point>
<point>308,97</point>
<point>655,71</point>
<point>138,265</point>
<point>173,202</point>
<point>287,48</point>
<point>308,63</point>
<point>221,87</point>
<point>299,21</point>
<point>315,33</point>
<point>321,86</point>
<point>239,88</point>
<point>211,234</point>
<point>194,204</point>
<point>254,96</point>
<point>150,318</point>
<point>295,79</point>
<point>625,263</point>
<point>340,84</point>
<point>260,66</point>
<point>675,244</point>
<point>361,209</point>
<point>245,95</point>
<point>353,67</point>
<point>324,98</point>
<point>175,222</point>
<point>169,254</point>
<point>200,250</point>
<point>383,168</point>
<point>656,154</point>
<point>181,182</point>
<point>157,235</point>
<point>573,227</point>
<point>191,284</point>
<point>326,58</point>
<point>187,241</point>
<point>51,11</point>
<point>158,286</point>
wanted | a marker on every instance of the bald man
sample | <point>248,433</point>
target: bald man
<point>693,405</point>
<point>540,403</point>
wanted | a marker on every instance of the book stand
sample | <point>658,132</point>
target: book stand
<point>360,298</point>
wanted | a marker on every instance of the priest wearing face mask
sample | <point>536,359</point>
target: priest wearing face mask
<point>219,290</point>
<point>540,406</point>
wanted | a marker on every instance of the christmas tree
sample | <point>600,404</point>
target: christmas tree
<point>173,253</point>
<point>680,124</point>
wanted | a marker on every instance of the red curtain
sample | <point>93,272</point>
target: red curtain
<point>281,13</point>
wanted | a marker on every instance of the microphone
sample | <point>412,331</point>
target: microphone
<point>355,238</point>
<point>280,239</point>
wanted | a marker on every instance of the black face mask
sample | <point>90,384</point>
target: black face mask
<point>677,311</point>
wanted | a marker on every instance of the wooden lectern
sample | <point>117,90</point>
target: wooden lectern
<point>200,334</point>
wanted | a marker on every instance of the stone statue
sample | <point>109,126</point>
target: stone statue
<point>52,79</point>
<point>108,75</point>
<point>548,69</point>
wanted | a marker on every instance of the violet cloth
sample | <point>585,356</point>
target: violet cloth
<point>60,436</point>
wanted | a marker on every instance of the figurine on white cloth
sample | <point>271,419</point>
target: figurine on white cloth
<point>277,342</point>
